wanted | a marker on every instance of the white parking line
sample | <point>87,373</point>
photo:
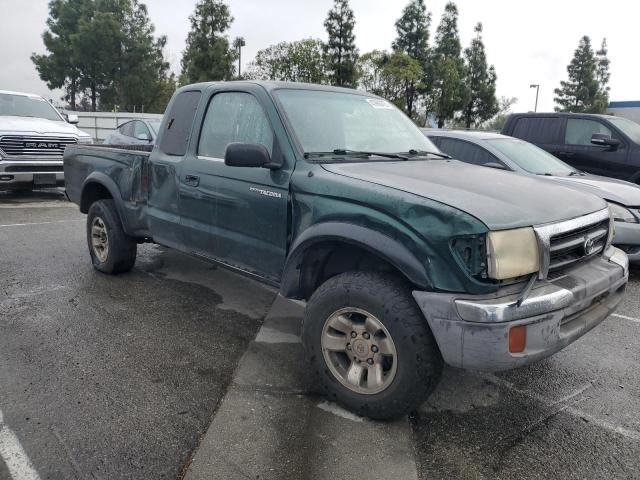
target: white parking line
<point>39,223</point>
<point>14,456</point>
<point>631,319</point>
<point>625,432</point>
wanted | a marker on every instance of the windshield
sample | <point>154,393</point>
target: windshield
<point>27,106</point>
<point>530,158</point>
<point>629,128</point>
<point>324,121</point>
<point>155,125</point>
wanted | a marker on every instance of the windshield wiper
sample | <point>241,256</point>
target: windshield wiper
<point>421,153</point>
<point>341,152</point>
<point>576,173</point>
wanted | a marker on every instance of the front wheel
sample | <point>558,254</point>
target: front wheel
<point>369,345</point>
<point>111,249</point>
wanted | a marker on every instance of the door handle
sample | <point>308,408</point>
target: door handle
<point>192,180</point>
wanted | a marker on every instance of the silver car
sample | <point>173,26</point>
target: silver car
<point>508,153</point>
<point>134,132</point>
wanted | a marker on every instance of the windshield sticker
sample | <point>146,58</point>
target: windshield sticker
<point>379,103</point>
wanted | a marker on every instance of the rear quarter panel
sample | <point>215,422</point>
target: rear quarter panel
<point>122,172</point>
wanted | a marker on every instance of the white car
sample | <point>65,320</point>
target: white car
<point>33,136</point>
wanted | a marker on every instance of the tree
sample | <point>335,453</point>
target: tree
<point>106,48</point>
<point>603,75</point>
<point>140,79</point>
<point>207,56</point>
<point>497,122</point>
<point>371,71</point>
<point>446,73</point>
<point>388,75</point>
<point>413,39</point>
<point>586,89</point>
<point>480,83</point>
<point>340,48</point>
<point>59,68</point>
<point>301,61</point>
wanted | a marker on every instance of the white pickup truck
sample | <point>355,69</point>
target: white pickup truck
<point>33,136</point>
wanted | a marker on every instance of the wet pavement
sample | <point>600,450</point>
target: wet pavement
<point>112,377</point>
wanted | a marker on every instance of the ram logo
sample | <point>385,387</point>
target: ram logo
<point>41,145</point>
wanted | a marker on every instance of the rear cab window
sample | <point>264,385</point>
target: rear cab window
<point>177,129</point>
<point>538,130</point>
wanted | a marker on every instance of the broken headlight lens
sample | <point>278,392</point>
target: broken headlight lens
<point>512,253</point>
<point>621,214</point>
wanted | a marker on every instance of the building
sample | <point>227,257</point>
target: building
<point>629,109</point>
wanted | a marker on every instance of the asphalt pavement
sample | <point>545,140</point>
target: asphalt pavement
<point>181,369</point>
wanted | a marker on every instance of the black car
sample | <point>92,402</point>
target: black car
<point>598,144</point>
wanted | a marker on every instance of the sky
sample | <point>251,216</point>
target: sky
<point>528,42</point>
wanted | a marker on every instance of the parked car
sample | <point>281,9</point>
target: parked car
<point>500,151</point>
<point>406,258</point>
<point>134,132</point>
<point>33,136</point>
<point>598,144</point>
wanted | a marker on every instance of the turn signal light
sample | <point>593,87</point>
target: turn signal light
<point>517,339</point>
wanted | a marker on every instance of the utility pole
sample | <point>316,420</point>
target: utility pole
<point>537,87</point>
<point>238,43</point>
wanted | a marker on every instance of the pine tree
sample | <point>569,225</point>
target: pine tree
<point>480,83</point>
<point>446,71</point>
<point>208,56</point>
<point>340,48</point>
<point>413,40</point>
<point>586,89</point>
<point>59,68</point>
<point>602,76</point>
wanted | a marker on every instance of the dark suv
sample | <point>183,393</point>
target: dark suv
<point>599,144</point>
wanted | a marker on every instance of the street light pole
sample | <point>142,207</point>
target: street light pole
<point>537,87</point>
<point>238,43</point>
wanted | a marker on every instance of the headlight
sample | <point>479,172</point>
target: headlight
<point>512,253</point>
<point>621,214</point>
<point>85,140</point>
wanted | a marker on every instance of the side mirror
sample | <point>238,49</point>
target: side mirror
<point>247,155</point>
<point>604,140</point>
<point>494,165</point>
<point>72,119</point>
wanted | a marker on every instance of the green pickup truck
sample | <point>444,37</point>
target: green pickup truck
<point>406,258</point>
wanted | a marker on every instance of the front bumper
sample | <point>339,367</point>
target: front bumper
<point>627,238</point>
<point>27,173</point>
<point>473,332</point>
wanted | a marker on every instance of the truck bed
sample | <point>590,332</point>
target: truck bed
<point>122,169</point>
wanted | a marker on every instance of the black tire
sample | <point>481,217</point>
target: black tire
<point>122,249</point>
<point>388,297</point>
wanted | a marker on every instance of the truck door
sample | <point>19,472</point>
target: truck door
<point>165,168</point>
<point>581,153</point>
<point>236,215</point>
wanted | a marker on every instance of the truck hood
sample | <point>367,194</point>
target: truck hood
<point>37,126</point>
<point>499,199</point>
<point>611,189</point>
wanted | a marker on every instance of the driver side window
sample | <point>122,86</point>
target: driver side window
<point>579,131</point>
<point>233,117</point>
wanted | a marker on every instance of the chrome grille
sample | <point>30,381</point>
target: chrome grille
<point>18,146</point>
<point>570,247</point>
<point>565,243</point>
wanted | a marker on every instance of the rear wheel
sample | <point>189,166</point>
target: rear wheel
<point>369,345</point>
<point>111,249</point>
